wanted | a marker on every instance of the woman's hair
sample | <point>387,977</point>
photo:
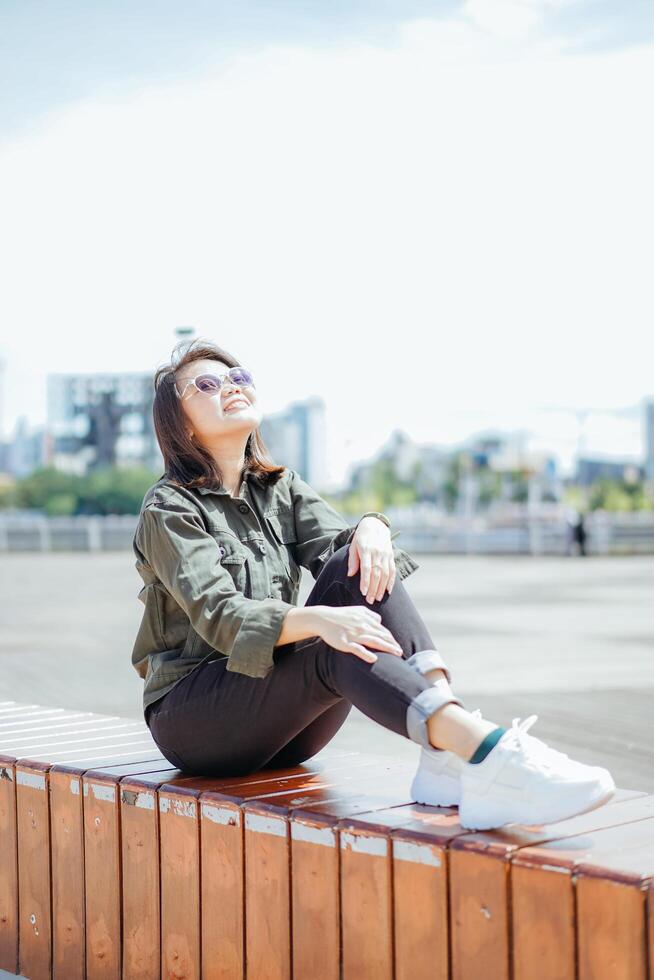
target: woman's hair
<point>187,462</point>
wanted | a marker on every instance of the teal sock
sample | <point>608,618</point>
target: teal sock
<point>488,743</point>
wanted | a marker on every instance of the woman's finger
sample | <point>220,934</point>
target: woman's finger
<point>381,643</point>
<point>386,574</point>
<point>362,653</point>
<point>373,563</point>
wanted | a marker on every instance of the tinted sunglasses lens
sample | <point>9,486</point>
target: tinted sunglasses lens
<point>208,382</point>
<point>240,376</point>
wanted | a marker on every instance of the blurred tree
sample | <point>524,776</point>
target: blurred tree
<point>619,495</point>
<point>110,490</point>
<point>38,487</point>
<point>520,486</point>
<point>115,490</point>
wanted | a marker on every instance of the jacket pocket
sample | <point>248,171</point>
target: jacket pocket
<point>282,527</point>
<point>282,524</point>
<point>233,558</point>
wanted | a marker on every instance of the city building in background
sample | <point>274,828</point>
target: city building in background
<point>25,451</point>
<point>296,437</point>
<point>100,420</point>
<point>589,471</point>
<point>96,420</point>
<point>649,440</point>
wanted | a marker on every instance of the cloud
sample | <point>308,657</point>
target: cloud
<point>452,222</point>
<point>510,19</point>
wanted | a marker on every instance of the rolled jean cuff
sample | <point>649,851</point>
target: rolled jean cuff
<point>423,706</point>
<point>426,660</point>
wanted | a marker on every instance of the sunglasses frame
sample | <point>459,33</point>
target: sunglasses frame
<point>219,377</point>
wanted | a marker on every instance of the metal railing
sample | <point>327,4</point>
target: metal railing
<point>608,533</point>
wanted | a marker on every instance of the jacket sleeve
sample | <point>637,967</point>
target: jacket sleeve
<point>187,560</point>
<point>321,531</point>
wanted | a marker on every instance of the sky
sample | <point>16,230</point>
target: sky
<point>435,216</point>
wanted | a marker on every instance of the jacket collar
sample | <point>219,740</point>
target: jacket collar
<point>247,477</point>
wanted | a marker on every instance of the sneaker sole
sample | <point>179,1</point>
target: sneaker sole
<point>480,814</point>
<point>449,790</point>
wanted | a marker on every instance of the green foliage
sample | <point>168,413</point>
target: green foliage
<point>619,495</point>
<point>120,490</point>
<point>60,505</point>
<point>110,490</point>
<point>520,486</point>
<point>450,488</point>
<point>383,489</point>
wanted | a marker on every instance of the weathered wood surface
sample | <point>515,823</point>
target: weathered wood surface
<point>113,864</point>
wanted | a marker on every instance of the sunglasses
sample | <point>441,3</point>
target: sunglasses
<point>211,383</point>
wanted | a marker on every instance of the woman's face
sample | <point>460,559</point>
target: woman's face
<point>210,416</point>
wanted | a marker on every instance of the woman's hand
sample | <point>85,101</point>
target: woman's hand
<point>371,550</point>
<point>347,628</point>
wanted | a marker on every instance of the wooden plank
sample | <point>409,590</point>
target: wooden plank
<point>315,896</point>
<point>267,891</point>
<point>366,905</point>
<point>179,828</point>
<point>140,857</point>
<point>420,913</point>
<point>102,878</point>
<point>68,918</point>
<point>33,845</point>
<point>222,898</point>
<point>8,869</point>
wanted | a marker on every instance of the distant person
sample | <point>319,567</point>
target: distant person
<point>575,533</point>
<point>580,534</point>
<point>239,678</point>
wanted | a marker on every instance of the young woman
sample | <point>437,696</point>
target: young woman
<point>239,678</point>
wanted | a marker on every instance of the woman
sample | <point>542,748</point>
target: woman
<point>239,678</point>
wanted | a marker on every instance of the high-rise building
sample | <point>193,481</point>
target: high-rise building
<point>649,439</point>
<point>590,470</point>
<point>98,420</point>
<point>295,437</point>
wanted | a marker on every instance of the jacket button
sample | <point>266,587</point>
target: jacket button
<point>223,551</point>
<point>262,548</point>
<point>243,508</point>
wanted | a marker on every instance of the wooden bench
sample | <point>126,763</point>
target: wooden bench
<point>115,865</point>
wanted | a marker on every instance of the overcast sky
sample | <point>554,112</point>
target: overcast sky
<point>436,216</point>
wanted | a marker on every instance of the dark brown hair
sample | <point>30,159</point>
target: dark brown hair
<point>187,462</point>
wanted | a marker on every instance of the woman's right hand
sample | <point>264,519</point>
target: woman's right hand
<point>348,628</point>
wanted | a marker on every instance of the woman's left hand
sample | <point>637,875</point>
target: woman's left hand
<point>371,550</point>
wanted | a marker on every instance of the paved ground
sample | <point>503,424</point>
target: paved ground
<point>571,640</point>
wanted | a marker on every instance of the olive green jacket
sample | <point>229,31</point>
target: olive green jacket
<point>220,573</point>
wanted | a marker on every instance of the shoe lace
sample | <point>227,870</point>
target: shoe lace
<point>543,755</point>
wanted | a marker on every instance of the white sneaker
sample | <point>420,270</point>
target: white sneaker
<point>523,780</point>
<point>437,781</point>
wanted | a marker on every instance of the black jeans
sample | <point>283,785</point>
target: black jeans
<point>223,723</point>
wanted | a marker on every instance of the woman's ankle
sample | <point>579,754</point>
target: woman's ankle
<point>455,729</point>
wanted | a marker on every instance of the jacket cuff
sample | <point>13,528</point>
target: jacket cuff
<point>344,536</point>
<point>404,563</point>
<point>252,650</point>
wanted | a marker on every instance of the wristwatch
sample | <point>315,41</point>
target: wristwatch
<point>374,513</point>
